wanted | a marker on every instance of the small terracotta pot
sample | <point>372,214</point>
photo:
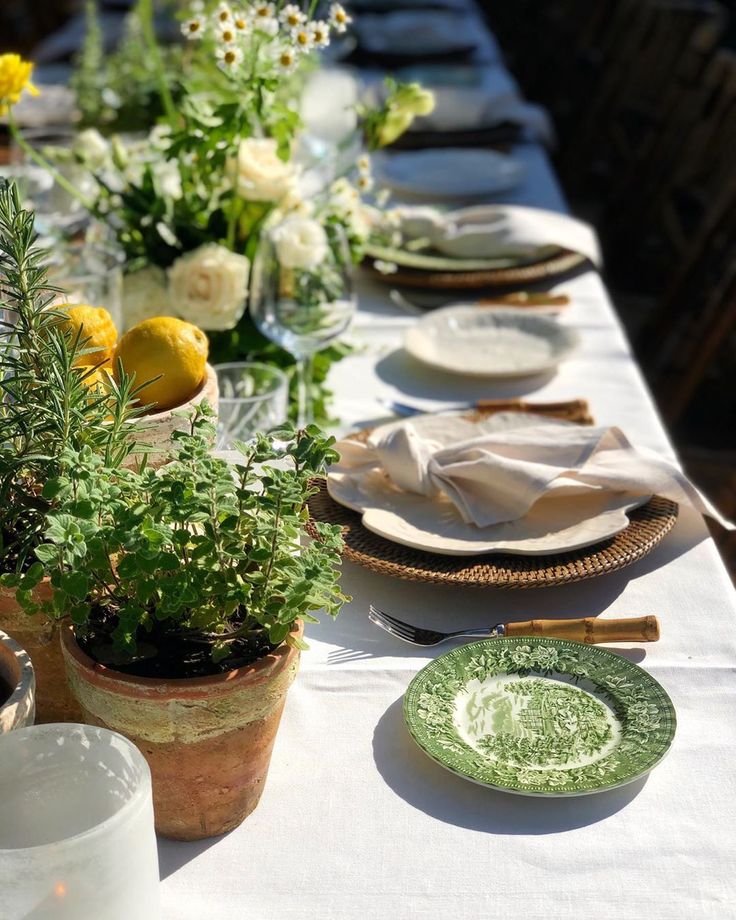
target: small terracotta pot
<point>16,672</point>
<point>207,740</point>
<point>39,637</point>
<point>158,427</point>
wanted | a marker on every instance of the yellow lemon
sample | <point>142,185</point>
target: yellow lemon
<point>96,330</point>
<point>169,347</point>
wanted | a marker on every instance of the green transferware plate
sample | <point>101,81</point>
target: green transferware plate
<point>539,716</point>
<point>439,263</point>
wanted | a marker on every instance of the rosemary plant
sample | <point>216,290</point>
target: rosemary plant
<point>48,406</point>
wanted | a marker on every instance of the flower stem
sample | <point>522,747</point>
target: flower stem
<point>304,386</point>
<point>41,161</point>
<point>145,14</point>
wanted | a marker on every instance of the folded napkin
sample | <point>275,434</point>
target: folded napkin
<point>477,108</point>
<point>496,476</point>
<point>496,231</point>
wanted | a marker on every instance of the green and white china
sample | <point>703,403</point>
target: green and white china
<point>540,716</point>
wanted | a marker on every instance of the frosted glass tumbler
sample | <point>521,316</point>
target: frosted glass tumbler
<point>76,832</point>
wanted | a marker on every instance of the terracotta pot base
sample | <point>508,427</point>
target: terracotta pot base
<point>208,740</point>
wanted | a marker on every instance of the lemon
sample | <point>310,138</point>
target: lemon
<point>169,347</point>
<point>96,331</point>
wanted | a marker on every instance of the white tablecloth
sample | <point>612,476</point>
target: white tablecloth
<point>356,823</point>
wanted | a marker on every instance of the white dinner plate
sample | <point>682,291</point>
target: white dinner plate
<point>449,172</point>
<point>489,342</point>
<point>568,520</point>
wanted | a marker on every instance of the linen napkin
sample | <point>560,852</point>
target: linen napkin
<point>475,108</point>
<point>496,231</point>
<point>496,476</point>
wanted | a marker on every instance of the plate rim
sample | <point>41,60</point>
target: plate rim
<point>412,690</point>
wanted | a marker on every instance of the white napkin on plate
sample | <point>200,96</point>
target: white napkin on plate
<point>496,231</point>
<point>463,108</point>
<point>493,477</point>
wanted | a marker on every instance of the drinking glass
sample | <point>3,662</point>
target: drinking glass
<point>253,398</point>
<point>76,835</point>
<point>302,309</point>
<point>89,274</point>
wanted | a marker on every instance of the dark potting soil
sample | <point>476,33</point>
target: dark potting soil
<point>5,690</point>
<point>171,656</point>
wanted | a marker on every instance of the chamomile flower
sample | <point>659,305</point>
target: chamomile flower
<point>303,38</point>
<point>264,18</point>
<point>286,58</point>
<point>224,14</point>
<point>320,33</point>
<point>364,165</point>
<point>193,28</point>
<point>241,23</point>
<point>229,56</point>
<point>226,35</point>
<point>339,19</point>
<point>291,16</point>
<point>365,183</point>
<point>263,11</point>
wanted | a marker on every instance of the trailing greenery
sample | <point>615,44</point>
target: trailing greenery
<point>48,406</point>
<point>200,550</point>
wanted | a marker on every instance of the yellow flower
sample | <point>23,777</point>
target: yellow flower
<point>15,76</point>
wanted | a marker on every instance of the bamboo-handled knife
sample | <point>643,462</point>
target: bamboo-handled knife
<point>587,629</point>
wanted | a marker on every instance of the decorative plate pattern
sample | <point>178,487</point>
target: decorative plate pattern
<point>540,716</point>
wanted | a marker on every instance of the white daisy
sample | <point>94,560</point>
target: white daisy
<point>365,183</point>
<point>223,14</point>
<point>303,38</point>
<point>339,19</point>
<point>193,28</point>
<point>291,16</point>
<point>229,56</point>
<point>286,58</point>
<point>263,11</point>
<point>241,22</point>
<point>364,165</point>
<point>320,33</point>
<point>226,35</point>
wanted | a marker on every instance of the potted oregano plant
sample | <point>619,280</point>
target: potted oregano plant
<point>48,407</point>
<point>187,588</point>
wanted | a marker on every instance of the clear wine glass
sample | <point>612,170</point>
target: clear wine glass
<point>302,294</point>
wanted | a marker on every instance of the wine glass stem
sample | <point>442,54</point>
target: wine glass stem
<point>304,387</point>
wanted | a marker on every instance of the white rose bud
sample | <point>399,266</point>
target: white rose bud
<point>300,243</point>
<point>208,287</point>
<point>259,173</point>
<point>145,294</point>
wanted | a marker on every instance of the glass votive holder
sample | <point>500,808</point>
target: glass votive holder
<point>254,398</point>
<point>89,274</point>
<point>76,835</point>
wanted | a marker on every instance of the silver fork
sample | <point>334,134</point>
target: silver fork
<point>584,629</point>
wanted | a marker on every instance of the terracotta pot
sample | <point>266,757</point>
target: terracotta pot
<point>207,740</point>
<point>158,427</point>
<point>16,672</point>
<point>39,637</point>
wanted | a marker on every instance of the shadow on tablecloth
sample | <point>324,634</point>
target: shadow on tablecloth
<point>449,798</point>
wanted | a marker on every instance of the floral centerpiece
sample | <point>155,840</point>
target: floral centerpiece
<point>187,202</point>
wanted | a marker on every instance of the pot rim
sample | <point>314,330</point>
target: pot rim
<point>26,676</point>
<point>267,662</point>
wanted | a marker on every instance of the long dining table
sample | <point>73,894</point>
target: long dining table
<point>357,823</point>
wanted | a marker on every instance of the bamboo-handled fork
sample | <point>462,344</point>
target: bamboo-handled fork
<point>587,629</point>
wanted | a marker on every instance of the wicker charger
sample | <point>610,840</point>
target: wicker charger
<point>553,266</point>
<point>648,525</point>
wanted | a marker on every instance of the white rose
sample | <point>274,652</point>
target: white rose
<point>259,173</point>
<point>300,243</point>
<point>145,294</point>
<point>92,147</point>
<point>208,287</point>
<point>167,179</point>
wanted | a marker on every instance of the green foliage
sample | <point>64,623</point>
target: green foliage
<point>202,548</point>
<point>47,407</point>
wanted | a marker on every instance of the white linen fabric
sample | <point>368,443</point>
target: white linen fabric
<point>488,231</point>
<point>494,477</point>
